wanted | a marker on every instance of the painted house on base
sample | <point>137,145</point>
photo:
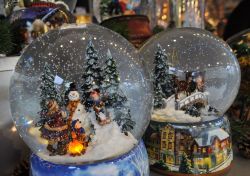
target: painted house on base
<point>207,151</point>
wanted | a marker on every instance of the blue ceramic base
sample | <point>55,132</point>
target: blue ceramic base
<point>134,163</point>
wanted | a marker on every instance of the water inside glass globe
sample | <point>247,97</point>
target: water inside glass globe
<point>80,94</point>
<point>196,76</point>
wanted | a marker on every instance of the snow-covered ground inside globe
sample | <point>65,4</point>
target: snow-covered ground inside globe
<point>134,164</point>
<point>108,142</point>
<point>170,114</point>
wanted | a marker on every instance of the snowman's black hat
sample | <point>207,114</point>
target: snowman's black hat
<point>72,87</point>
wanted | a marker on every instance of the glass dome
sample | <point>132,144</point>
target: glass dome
<point>76,95</point>
<point>196,76</point>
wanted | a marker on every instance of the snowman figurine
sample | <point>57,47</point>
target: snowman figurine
<point>76,109</point>
<point>73,99</point>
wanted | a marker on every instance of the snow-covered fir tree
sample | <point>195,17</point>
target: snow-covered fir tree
<point>185,165</point>
<point>111,80</point>
<point>124,120</point>
<point>158,97</point>
<point>48,92</point>
<point>109,7</point>
<point>92,76</point>
<point>105,7</point>
<point>122,113</point>
<point>162,77</point>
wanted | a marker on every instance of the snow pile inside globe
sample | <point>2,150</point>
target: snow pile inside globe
<point>80,95</point>
<point>195,75</point>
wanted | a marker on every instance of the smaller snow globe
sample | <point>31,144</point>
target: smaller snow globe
<point>239,112</point>
<point>76,98</point>
<point>196,78</point>
<point>133,19</point>
<point>105,9</point>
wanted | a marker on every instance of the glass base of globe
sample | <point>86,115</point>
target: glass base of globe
<point>190,149</point>
<point>133,163</point>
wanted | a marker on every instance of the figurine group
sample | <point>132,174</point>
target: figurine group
<point>71,133</point>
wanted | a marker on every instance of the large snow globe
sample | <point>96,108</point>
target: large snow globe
<point>76,99</point>
<point>196,78</point>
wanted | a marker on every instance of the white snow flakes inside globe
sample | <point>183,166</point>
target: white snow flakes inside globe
<point>195,75</point>
<point>82,97</point>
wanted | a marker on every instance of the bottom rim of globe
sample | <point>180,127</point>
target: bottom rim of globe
<point>222,172</point>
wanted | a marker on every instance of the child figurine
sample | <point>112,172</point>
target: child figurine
<point>55,129</point>
<point>98,107</point>
<point>78,145</point>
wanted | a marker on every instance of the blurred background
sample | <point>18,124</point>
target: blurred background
<point>22,21</point>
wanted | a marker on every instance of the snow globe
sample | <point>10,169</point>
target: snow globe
<point>105,9</point>
<point>75,99</point>
<point>239,112</point>
<point>133,19</point>
<point>196,78</point>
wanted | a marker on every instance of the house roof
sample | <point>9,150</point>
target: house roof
<point>206,138</point>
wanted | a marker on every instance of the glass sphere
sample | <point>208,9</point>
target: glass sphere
<point>81,84</point>
<point>196,76</point>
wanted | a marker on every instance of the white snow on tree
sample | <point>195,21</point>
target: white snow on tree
<point>122,113</point>
<point>48,92</point>
<point>92,75</point>
<point>123,119</point>
<point>159,102</point>
<point>114,97</point>
<point>162,77</point>
<point>111,80</point>
<point>185,166</point>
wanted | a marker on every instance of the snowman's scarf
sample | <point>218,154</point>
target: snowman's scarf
<point>71,107</point>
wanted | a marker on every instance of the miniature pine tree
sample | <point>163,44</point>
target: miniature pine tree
<point>122,113</point>
<point>92,75</point>
<point>125,121</point>
<point>48,92</point>
<point>162,77</point>
<point>104,7</point>
<point>121,100</point>
<point>158,97</point>
<point>185,166</point>
<point>111,80</point>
